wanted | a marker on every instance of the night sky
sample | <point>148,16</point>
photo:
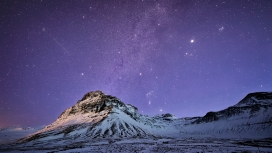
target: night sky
<point>184,57</point>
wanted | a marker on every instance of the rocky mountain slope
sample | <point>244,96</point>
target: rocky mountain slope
<point>98,115</point>
<point>250,118</point>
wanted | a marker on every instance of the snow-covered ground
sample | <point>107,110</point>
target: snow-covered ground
<point>147,145</point>
<point>10,134</point>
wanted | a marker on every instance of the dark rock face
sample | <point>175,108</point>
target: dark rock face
<point>258,96</point>
<point>167,115</point>
<point>95,101</point>
<point>92,94</point>
<point>209,117</point>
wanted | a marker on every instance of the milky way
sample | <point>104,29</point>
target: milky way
<point>179,57</point>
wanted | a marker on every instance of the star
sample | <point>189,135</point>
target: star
<point>188,54</point>
<point>221,29</point>
<point>192,41</point>
<point>149,93</point>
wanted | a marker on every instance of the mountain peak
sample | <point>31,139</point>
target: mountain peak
<point>92,94</point>
<point>94,102</point>
<point>262,98</point>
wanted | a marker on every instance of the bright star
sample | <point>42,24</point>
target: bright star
<point>192,40</point>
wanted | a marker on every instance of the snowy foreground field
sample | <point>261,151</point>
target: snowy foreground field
<point>146,146</point>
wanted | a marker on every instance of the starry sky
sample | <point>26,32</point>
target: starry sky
<point>184,57</point>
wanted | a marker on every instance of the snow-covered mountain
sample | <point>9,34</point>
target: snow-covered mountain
<point>250,118</point>
<point>98,115</point>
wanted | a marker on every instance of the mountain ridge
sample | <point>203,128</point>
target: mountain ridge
<point>98,115</point>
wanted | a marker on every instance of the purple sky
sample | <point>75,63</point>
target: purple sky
<point>184,57</point>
